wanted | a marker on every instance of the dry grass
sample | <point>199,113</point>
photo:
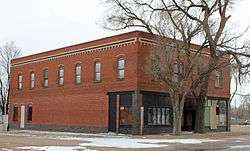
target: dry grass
<point>240,128</point>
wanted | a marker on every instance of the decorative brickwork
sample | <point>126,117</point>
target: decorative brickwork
<point>85,106</point>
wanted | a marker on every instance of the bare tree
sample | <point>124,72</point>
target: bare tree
<point>204,22</point>
<point>7,52</point>
<point>214,16</point>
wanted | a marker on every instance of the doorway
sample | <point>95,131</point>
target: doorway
<point>189,120</point>
<point>112,113</point>
<point>22,116</point>
<point>189,114</point>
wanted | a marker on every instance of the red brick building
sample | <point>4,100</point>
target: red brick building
<point>99,86</point>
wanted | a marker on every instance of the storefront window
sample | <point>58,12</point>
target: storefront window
<point>215,113</point>
<point>158,116</point>
<point>221,113</point>
<point>126,115</point>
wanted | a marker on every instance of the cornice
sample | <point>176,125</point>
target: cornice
<point>92,49</point>
<point>96,48</point>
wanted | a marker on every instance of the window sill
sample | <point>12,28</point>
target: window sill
<point>78,83</point>
<point>218,87</point>
<point>123,79</point>
<point>158,125</point>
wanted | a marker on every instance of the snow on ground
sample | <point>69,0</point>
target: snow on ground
<point>127,142</point>
<point>5,149</point>
<point>123,143</point>
<point>55,148</point>
<point>102,140</point>
<point>138,143</point>
<point>240,147</point>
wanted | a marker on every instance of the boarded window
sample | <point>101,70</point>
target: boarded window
<point>215,113</point>
<point>126,115</point>
<point>29,118</point>
<point>207,117</point>
<point>207,113</point>
<point>15,113</point>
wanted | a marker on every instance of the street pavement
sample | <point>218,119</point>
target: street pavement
<point>62,141</point>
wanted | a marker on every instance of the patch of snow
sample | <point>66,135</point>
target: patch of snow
<point>138,143</point>
<point>55,148</point>
<point>105,140</point>
<point>5,149</point>
<point>121,143</point>
<point>238,147</point>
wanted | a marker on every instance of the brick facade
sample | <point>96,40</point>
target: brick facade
<point>85,106</point>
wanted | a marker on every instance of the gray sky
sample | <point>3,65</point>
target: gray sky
<point>42,25</point>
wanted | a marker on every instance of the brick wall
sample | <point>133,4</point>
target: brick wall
<point>145,83</point>
<point>86,104</point>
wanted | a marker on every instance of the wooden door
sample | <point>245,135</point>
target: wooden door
<point>112,113</point>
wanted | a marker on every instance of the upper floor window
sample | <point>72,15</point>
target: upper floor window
<point>61,75</point>
<point>97,71</point>
<point>20,81</point>
<point>177,71</point>
<point>218,78</point>
<point>78,73</point>
<point>32,80</point>
<point>45,77</point>
<point>120,68</point>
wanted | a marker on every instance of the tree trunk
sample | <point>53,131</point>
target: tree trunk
<point>176,121</point>
<point>199,119</point>
<point>8,96</point>
<point>177,104</point>
<point>4,109</point>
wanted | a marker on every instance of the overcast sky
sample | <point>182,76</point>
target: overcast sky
<point>41,25</point>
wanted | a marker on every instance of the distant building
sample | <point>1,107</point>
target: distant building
<point>99,86</point>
